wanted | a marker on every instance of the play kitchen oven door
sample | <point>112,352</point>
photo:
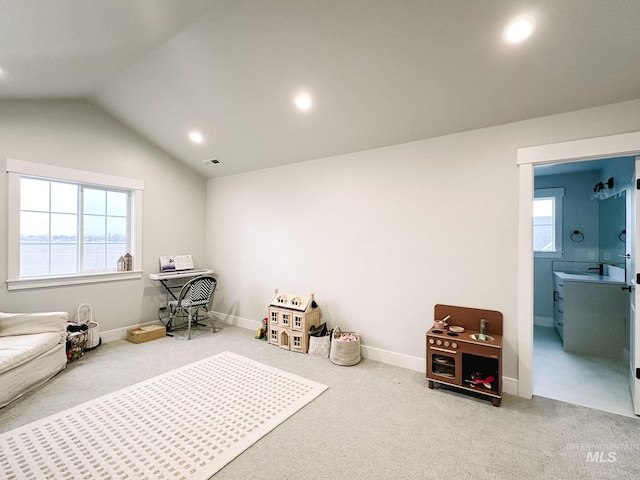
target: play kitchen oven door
<point>443,360</point>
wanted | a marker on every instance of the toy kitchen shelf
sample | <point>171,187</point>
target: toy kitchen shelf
<point>458,360</point>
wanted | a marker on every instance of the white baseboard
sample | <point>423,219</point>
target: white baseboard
<point>237,321</point>
<point>392,358</point>
<point>543,321</point>
<point>418,364</point>
<point>510,385</point>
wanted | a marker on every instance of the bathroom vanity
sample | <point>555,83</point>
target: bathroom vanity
<point>590,313</point>
<point>456,357</point>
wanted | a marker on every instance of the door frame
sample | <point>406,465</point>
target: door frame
<point>625,144</point>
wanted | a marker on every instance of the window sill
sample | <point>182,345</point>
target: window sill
<point>78,279</point>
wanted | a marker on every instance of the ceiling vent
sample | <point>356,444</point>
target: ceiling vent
<point>212,161</point>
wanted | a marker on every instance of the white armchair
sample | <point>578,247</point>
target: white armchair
<point>32,350</point>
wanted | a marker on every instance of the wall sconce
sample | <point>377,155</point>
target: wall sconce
<point>600,189</point>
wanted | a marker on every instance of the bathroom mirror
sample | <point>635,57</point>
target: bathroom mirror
<point>612,213</point>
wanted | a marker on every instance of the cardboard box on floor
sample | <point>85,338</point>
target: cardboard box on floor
<point>146,333</point>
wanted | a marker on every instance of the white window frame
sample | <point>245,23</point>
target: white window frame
<point>557,194</point>
<point>17,168</point>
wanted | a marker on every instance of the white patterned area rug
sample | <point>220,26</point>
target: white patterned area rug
<point>184,424</point>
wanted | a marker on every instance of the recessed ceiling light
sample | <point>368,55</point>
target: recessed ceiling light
<point>196,137</point>
<point>518,30</point>
<point>303,101</point>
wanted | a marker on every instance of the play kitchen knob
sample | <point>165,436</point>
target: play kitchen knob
<point>438,342</point>
<point>431,341</point>
<point>454,345</point>
<point>446,344</point>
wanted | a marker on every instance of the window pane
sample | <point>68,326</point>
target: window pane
<point>94,228</point>
<point>544,224</point>
<point>543,238</point>
<point>117,203</point>
<point>116,229</point>
<point>95,201</point>
<point>64,228</point>
<point>64,197</point>
<point>34,226</point>
<point>63,258</point>
<point>114,252</point>
<point>543,220</point>
<point>34,259</point>
<point>94,256</point>
<point>543,207</point>
<point>34,194</point>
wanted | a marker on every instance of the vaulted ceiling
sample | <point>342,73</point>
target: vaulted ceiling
<point>380,72</point>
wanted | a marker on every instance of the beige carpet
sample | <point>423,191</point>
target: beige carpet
<point>184,424</point>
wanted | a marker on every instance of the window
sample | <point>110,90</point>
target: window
<point>547,222</point>
<point>69,226</point>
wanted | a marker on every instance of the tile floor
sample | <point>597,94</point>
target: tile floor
<point>589,381</point>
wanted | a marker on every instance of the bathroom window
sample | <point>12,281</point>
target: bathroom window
<point>547,222</point>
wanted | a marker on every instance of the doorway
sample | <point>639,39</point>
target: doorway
<point>528,157</point>
<point>589,218</point>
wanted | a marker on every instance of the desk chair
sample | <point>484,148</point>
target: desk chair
<point>195,295</point>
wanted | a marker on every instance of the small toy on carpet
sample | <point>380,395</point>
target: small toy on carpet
<point>261,333</point>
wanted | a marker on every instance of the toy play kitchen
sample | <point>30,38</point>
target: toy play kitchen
<point>464,350</point>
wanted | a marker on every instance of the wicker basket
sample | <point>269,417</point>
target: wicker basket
<point>76,343</point>
<point>345,348</point>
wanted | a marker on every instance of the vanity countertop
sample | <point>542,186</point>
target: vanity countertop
<point>589,278</point>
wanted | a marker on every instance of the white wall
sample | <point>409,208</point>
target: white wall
<point>78,135</point>
<point>381,236</point>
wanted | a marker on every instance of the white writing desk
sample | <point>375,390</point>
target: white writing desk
<point>165,277</point>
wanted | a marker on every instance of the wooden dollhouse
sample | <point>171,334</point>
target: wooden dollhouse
<point>290,318</point>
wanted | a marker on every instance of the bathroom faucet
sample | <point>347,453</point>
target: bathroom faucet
<point>483,326</point>
<point>600,269</point>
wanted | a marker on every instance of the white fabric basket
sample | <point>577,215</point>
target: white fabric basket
<point>85,315</point>
<point>320,346</point>
<point>345,352</point>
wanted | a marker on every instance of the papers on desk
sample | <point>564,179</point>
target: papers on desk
<point>176,263</point>
<point>178,266</point>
